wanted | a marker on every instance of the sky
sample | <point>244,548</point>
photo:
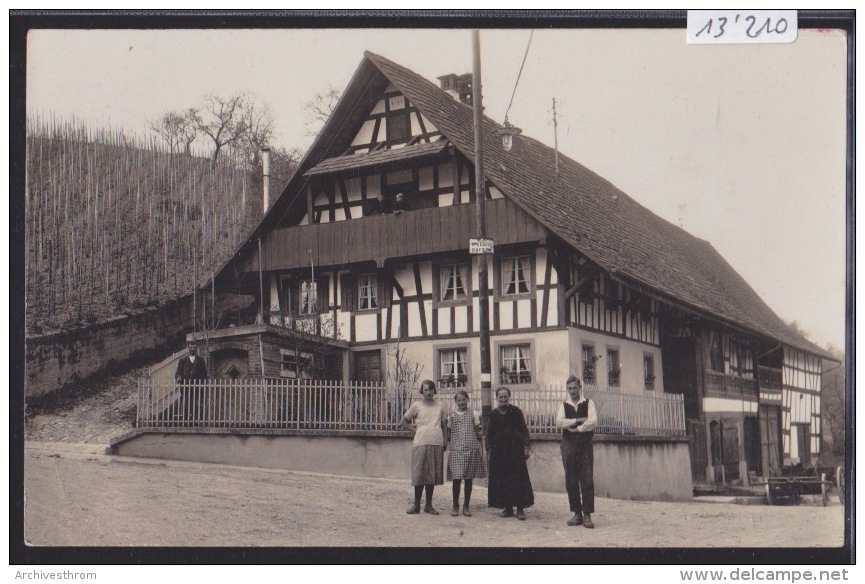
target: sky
<point>741,145</point>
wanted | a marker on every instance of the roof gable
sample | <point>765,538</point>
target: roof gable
<point>582,208</point>
<point>598,219</point>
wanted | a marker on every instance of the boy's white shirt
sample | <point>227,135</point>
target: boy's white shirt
<point>591,418</point>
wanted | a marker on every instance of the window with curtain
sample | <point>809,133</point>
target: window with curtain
<point>516,363</point>
<point>716,360</point>
<point>453,281</point>
<point>589,364</point>
<point>308,298</point>
<point>367,292</point>
<point>516,274</point>
<point>740,363</point>
<point>649,372</point>
<point>614,368</point>
<point>453,369</point>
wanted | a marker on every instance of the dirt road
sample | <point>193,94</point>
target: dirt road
<point>77,496</point>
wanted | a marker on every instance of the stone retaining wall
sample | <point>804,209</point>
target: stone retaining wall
<point>630,467</point>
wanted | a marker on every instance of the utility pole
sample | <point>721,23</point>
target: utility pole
<point>480,201</point>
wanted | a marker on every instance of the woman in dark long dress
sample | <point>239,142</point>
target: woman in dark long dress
<point>508,450</point>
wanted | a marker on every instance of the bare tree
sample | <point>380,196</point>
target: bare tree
<point>833,408</point>
<point>282,165</point>
<point>257,132</point>
<point>188,129</point>
<point>404,376</point>
<point>222,121</point>
<point>318,109</point>
<point>312,346</point>
<point>170,127</point>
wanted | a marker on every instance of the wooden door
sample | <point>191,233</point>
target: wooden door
<point>367,366</point>
<point>770,443</point>
<point>731,451</point>
<point>803,441</point>
<point>752,444</point>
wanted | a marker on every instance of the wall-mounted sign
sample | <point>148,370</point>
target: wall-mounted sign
<point>480,246</point>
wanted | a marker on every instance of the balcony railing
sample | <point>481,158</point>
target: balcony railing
<point>721,383</point>
<point>331,405</point>
<point>769,378</point>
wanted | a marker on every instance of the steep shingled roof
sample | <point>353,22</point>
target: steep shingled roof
<point>598,219</point>
<point>365,160</point>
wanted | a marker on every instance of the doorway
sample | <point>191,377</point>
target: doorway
<point>770,443</point>
<point>803,443</point>
<point>752,444</point>
<point>724,450</point>
<point>367,366</point>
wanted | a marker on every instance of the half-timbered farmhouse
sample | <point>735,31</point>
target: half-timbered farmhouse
<point>367,248</point>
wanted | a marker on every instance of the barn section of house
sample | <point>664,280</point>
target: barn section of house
<point>367,247</point>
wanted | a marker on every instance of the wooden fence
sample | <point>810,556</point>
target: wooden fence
<point>332,405</point>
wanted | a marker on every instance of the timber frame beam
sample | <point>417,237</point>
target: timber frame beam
<point>591,272</point>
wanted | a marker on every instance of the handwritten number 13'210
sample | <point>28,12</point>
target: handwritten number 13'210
<point>780,27</point>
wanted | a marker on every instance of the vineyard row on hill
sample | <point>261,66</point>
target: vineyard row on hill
<point>115,224</point>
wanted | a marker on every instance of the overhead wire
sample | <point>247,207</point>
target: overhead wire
<point>528,46</point>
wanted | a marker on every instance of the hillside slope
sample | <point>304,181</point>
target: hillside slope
<point>93,412</point>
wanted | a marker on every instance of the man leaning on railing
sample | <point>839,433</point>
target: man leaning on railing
<point>191,370</point>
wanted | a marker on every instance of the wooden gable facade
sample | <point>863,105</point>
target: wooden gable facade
<point>368,247</point>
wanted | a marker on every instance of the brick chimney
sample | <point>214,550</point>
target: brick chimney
<point>458,86</point>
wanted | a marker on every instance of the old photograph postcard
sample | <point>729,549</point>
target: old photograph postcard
<point>387,289</point>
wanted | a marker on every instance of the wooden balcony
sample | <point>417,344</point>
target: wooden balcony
<point>718,383</point>
<point>769,378</point>
<point>405,234</point>
<point>770,382</point>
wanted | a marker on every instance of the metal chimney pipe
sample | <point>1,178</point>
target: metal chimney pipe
<point>265,197</point>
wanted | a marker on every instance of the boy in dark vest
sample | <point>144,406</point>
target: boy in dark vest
<point>577,419</point>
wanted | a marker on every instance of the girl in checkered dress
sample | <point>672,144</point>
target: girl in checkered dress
<point>465,461</point>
